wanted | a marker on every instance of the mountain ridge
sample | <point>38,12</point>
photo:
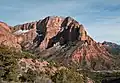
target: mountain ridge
<point>52,35</point>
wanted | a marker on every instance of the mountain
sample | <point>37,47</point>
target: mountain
<point>112,47</point>
<point>64,40</point>
<point>54,50</point>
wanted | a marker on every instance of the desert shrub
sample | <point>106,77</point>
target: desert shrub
<point>34,77</point>
<point>67,76</point>
<point>9,69</point>
<point>28,76</point>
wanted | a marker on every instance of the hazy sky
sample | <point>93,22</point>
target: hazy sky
<point>101,18</point>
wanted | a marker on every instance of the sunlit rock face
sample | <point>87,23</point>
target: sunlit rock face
<point>6,37</point>
<point>46,30</point>
<point>57,29</point>
<point>25,34</point>
<point>49,31</point>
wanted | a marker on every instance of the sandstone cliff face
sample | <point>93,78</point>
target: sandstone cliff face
<point>26,26</point>
<point>6,38</point>
<point>25,34</point>
<point>5,26</point>
<point>54,30</point>
<point>47,32</point>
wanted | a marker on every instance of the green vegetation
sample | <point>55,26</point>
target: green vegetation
<point>67,76</point>
<point>9,69</point>
<point>11,73</point>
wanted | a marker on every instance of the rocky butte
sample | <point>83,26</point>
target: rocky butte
<point>57,38</point>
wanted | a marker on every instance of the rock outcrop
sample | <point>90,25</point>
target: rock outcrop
<point>25,34</point>
<point>52,30</point>
<point>7,38</point>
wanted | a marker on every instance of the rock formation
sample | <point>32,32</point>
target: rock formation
<point>57,37</point>
<point>7,38</point>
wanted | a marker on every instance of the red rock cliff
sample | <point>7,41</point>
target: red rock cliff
<point>6,37</point>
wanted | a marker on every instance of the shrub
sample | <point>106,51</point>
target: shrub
<point>67,76</point>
